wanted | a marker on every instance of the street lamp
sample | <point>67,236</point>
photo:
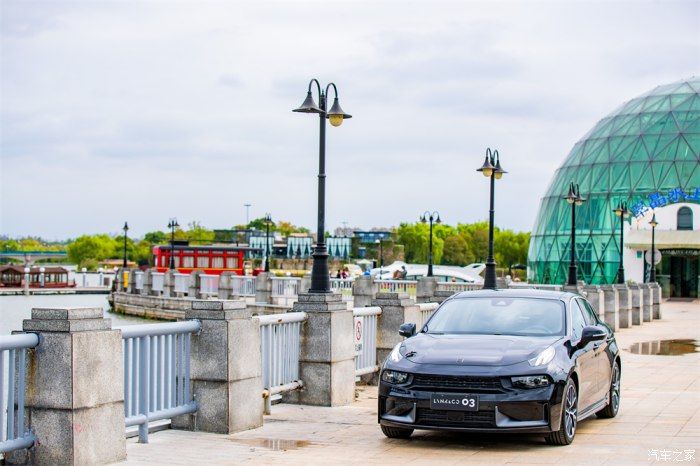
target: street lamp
<point>574,198</point>
<point>622,212</point>
<point>381,256</point>
<point>652,272</point>
<point>125,228</point>
<point>492,170</point>
<point>320,280</point>
<point>172,224</point>
<point>430,217</point>
<point>268,220</point>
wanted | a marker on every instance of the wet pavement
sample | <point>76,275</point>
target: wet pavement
<point>659,418</point>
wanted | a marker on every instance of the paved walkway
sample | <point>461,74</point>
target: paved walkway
<point>660,411</point>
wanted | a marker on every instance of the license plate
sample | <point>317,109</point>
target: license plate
<point>454,402</point>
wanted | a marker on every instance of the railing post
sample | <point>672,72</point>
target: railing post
<point>637,304</point>
<point>612,306</point>
<point>225,285</point>
<point>194,285</point>
<point>263,288</point>
<point>75,396</point>
<point>656,300</point>
<point>425,289</point>
<point>397,308</point>
<point>225,369</point>
<point>625,308</point>
<point>647,292</point>
<point>327,355</point>
<point>169,284</point>
<point>364,291</point>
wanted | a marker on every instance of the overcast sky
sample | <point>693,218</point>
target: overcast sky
<point>114,111</point>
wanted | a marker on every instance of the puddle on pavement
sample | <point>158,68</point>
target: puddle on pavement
<point>666,347</point>
<point>273,444</point>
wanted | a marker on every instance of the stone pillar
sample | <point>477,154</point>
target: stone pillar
<point>596,298</point>
<point>637,302</point>
<point>612,306</point>
<point>305,284</point>
<point>263,288</point>
<point>363,291</point>
<point>327,356</point>
<point>225,290</point>
<point>647,304</point>
<point>625,307</point>
<point>397,309</point>
<point>75,389</point>
<point>425,289</point>
<point>225,370</point>
<point>656,301</point>
<point>169,284</point>
<point>147,282</point>
<point>194,285</point>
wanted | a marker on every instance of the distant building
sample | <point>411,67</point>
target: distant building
<point>367,237</point>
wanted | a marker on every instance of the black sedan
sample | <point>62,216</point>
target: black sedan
<point>527,361</point>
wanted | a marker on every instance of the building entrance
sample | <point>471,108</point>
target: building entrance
<point>682,266</point>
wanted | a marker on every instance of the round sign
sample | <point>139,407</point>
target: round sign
<point>657,256</point>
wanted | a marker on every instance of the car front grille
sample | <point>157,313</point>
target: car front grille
<point>465,419</point>
<point>454,383</point>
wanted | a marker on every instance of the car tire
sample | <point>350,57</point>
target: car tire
<point>569,412</point>
<point>613,406</point>
<point>396,432</point>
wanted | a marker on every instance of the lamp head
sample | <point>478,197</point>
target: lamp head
<point>126,227</point>
<point>336,115</point>
<point>653,221</point>
<point>571,196</point>
<point>487,168</point>
<point>498,171</point>
<point>309,105</point>
<point>438,219</point>
<point>423,219</point>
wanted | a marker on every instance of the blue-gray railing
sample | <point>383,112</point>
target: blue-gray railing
<point>280,336</point>
<point>157,372</point>
<point>365,337</point>
<point>13,431</point>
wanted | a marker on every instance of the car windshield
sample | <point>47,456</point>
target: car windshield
<point>499,316</point>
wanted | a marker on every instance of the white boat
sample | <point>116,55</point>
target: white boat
<point>444,273</point>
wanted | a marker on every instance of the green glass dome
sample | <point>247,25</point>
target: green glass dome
<point>647,153</point>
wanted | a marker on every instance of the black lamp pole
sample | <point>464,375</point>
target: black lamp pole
<point>622,212</point>
<point>491,169</point>
<point>381,256</point>
<point>126,228</point>
<point>430,217</point>
<point>172,224</point>
<point>574,198</point>
<point>652,272</point>
<point>268,220</point>
<point>320,279</point>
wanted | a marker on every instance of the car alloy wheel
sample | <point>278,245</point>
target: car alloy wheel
<point>570,411</point>
<point>615,389</point>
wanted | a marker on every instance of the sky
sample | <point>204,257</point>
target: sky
<point>114,111</point>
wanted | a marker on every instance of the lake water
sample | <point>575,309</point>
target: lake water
<point>14,309</point>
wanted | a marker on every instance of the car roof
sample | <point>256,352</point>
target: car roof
<point>517,293</point>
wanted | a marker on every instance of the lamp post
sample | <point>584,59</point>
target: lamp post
<point>320,279</point>
<point>381,256</point>
<point>622,212</point>
<point>430,217</point>
<point>652,272</point>
<point>574,198</point>
<point>126,229</point>
<point>268,220</point>
<point>492,170</point>
<point>172,224</point>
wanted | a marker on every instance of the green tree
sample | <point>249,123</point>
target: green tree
<point>456,251</point>
<point>155,237</point>
<point>91,247</point>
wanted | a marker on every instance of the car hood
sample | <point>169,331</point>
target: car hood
<point>474,350</point>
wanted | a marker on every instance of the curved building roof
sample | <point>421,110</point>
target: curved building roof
<point>647,153</point>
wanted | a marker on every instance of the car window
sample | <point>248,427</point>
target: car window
<point>588,313</point>
<point>499,316</point>
<point>577,319</point>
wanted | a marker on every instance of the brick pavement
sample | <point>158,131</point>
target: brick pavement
<point>660,410</point>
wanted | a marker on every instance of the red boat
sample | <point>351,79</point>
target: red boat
<point>210,259</point>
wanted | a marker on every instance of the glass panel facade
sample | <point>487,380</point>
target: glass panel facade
<point>649,145</point>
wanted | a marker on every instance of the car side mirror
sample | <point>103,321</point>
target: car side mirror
<point>592,333</point>
<point>407,330</point>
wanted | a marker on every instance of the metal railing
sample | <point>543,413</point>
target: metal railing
<point>365,338</point>
<point>157,372</point>
<point>242,285</point>
<point>344,286</point>
<point>457,287</point>
<point>157,281</point>
<point>285,287</point>
<point>181,283</point>
<point>426,310</point>
<point>14,434</point>
<point>138,280</point>
<point>209,284</point>
<point>398,286</point>
<point>535,286</point>
<point>280,336</point>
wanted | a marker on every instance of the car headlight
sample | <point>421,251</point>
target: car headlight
<point>530,381</point>
<point>396,354</point>
<point>394,377</point>
<point>545,357</point>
